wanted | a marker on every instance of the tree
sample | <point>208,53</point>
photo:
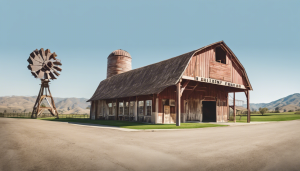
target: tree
<point>277,110</point>
<point>263,110</point>
<point>43,105</point>
<point>87,107</point>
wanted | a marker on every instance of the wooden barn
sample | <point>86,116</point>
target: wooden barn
<point>190,87</point>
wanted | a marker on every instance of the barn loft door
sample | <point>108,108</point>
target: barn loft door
<point>209,111</point>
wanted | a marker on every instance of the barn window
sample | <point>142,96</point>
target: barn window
<point>220,55</point>
<point>141,108</point>
<point>121,108</point>
<point>126,108</point>
<point>131,108</point>
<point>149,107</point>
<point>110,109</point>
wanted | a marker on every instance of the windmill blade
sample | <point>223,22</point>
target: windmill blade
<point>32,61</point>
<point>57,68</point>
<point>34,74</point>
<point>35,57</point>
<point>55,72</point>
<point>38,56</point>
<point>34,67</point>
<point>57,63</point>
<point>52,76</point>
<point>53,56</point>
<point>42,53</point>
<point>41,74</point>
<point>48,54</point>
<point>36,51</point>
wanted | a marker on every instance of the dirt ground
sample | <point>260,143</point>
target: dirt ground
<point>27,144</point>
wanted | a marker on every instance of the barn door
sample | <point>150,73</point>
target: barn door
<point>209,111</point>
<point>166,114</point>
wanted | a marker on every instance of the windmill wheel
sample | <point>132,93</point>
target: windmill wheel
<point>43,64</point>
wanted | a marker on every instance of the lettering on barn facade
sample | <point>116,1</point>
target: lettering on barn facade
<point>219,82</point>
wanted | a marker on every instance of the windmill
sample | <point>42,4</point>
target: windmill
<point>44,65</point>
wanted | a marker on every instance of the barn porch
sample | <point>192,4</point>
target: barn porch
<point>199,101</point>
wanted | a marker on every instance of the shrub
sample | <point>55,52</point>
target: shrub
<point>263,110</point>
<point>291,111</point>
<point>297,112</point>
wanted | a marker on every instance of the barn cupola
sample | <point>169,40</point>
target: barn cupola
<point>119,61</point>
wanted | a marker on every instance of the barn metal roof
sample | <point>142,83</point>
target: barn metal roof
<point>151,79</point>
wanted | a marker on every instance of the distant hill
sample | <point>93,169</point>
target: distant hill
<point>24,103</point>
<point>290,102</point>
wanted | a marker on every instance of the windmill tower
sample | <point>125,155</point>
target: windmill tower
<point>45,66</point>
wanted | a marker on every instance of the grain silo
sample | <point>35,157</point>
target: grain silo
<point>119,61</point>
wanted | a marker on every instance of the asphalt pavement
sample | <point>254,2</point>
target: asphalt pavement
<point>28,144</point>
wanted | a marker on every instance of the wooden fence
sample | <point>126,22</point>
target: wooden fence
<point>44,115</point>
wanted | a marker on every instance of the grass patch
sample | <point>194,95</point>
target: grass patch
<point>135,125</point>
<point>287,116</point>
<point>21,117</point>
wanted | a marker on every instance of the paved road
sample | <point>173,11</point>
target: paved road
<point>27,144</point>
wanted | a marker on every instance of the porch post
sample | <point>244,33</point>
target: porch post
<point>117,110</point>
<point>96,109</point>
<point>91,102</point>
<point>234,110</point>
<point>156,109</point>
<point>178,92</point>
<point>135,109</point>
<point>248,106</point>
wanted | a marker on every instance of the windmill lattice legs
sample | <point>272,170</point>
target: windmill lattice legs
<point>37,108</point>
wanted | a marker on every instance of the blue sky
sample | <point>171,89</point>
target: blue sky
<point>264,35</point>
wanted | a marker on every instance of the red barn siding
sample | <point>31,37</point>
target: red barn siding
<point>191,101</point>
<point>220,71</point>
<point>203,64</point>
<point>199,64</point>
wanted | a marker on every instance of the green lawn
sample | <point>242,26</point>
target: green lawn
<point>287,116</point>
<point>135,125</point>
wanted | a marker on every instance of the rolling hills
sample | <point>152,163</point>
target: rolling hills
<point>23,104</point>
<point>291,102</point>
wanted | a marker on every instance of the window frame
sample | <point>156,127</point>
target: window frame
<point>139,108</point>
<point>148,105</point>
<point>121,108</point>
